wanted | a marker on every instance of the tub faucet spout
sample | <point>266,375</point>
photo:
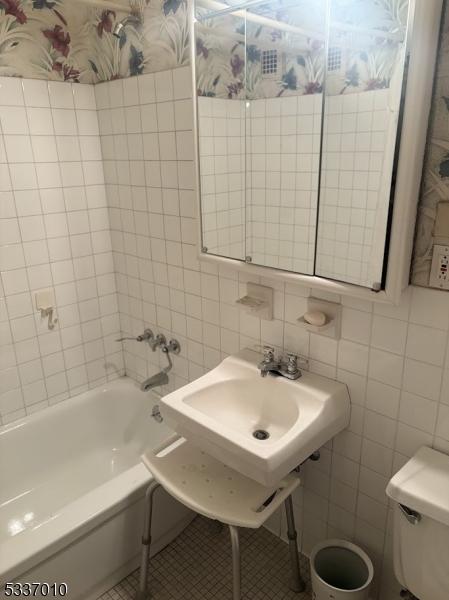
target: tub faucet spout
<point>161,378</point>
<point>154,381</point>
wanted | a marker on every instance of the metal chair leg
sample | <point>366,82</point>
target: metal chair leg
<point>236,563</point>
<point>298,584</point>
<point>143,592</point>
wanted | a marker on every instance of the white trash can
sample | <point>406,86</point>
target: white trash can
<point>340,571</point>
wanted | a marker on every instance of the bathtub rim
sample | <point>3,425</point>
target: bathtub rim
<point>62,406</point>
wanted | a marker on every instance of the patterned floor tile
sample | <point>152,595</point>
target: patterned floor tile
<point>197,566</point>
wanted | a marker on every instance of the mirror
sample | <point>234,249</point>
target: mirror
<point>298,106</point>
<point>365,69</point>
<point>284,90</point>
<point>220,85</point>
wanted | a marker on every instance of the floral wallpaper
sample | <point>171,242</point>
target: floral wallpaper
<point>366,38</point>
<point>68,40</point>
<point>432,226</point>
<point>230,52</point>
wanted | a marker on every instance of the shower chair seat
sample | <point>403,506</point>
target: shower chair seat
<point>214,490</point>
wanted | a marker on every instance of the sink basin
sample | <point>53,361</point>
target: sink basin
<point>248,405</point>
<point>262,427</point>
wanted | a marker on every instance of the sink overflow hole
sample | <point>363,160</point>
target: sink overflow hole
<point>261,434</point>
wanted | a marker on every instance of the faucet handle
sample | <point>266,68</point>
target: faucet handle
<point>268,354</point>
<point>146,335</point>
<point>292,363</point>
<point>160,341</point>
<point>174,346</point>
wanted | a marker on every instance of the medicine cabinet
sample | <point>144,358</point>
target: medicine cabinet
<point>311,120</point>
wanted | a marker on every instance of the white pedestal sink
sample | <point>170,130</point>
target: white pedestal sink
<point>262,427</point>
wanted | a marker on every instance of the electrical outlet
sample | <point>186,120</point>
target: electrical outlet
<point>439,275</point>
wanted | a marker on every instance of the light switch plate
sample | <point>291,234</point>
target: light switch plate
<point>439,276</point>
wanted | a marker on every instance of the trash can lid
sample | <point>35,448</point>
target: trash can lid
<point>423,485</point>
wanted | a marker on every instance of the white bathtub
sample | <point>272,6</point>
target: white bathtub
<point>72,487</point>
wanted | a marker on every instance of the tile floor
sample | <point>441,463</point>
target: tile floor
<point>197,566</point>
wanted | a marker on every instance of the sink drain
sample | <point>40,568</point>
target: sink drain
<point>261,434</point>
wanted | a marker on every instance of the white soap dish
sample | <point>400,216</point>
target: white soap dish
<point>252,303</point>
<point>332,312</point>
<point>315,328</point>
<point>258,301</point>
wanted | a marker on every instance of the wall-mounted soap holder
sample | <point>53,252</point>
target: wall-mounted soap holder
<point>47,313</point>
<point>45,304</point>
<point>258,301</point>
<point>332,312</point>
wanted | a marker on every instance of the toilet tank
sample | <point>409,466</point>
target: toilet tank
<point>420,492</point>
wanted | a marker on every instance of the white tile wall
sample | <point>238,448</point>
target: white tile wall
<point>54,234</point>
<point>393,359</point>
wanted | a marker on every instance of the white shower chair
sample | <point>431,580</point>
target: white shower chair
<point>210,488</point>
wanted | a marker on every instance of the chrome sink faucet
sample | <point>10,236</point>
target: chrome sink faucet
<point>286,367</point>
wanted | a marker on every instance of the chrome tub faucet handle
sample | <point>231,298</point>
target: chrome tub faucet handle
<point>159,341</point>
<point>147,335</point>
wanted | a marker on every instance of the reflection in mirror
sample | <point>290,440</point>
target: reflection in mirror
<point>285,60</point>
<point>365,70</point>
<point>259,79</point>
<point>220,73</point>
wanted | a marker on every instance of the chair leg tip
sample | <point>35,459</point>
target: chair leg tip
<point>142,595</point>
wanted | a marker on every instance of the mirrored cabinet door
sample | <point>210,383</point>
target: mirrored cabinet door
<point>285,68</point>
<point>220,85</point>
<point>365,71</point>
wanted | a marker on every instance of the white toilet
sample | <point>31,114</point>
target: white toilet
<point>420,491</point>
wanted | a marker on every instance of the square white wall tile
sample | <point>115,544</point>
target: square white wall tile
<point>35,248</point>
